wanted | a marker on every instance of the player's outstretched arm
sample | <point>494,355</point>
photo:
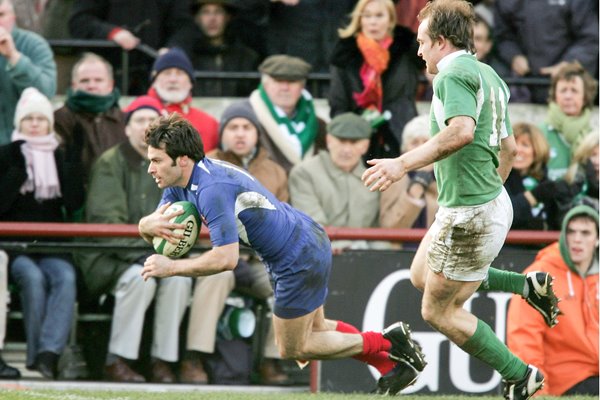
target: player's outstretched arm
<point>459,133</point>
<point>218,259</point>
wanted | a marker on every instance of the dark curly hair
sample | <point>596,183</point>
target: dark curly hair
<point>176,136</point>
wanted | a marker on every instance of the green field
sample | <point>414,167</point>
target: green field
<point>20,394</point>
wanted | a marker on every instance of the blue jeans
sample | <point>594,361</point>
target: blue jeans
<point>47,290</point>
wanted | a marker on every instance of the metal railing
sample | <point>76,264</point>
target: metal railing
<point>316,81</point>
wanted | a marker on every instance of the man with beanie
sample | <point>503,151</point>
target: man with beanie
<point>91,121</point>
<point>172,81</point>
<point>568,354</point>
<point>26,60</point>
<point>239,131</point>
<point>328,187</point>
<point>292,130</point>
<point>120,192</point>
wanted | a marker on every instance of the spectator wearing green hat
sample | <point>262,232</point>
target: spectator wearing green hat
<point>328,187</point>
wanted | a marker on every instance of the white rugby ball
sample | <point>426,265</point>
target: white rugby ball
<point>191,219</point>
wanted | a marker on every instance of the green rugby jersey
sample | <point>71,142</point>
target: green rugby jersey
<point>465,86</point>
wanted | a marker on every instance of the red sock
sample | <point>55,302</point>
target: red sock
<point>378,360</point>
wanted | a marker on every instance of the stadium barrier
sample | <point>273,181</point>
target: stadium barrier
<point>368,288</point>
<point>317,82</point>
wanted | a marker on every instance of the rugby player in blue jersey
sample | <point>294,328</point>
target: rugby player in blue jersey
<point>295,250</point>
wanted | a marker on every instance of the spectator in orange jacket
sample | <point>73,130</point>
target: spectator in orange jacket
<point>567,354</point>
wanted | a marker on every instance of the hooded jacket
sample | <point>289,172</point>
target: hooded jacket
<point>568,353</point>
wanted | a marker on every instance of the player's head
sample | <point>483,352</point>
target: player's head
<point>174,147</point>
<point>452,20</point>
<point>176,136</point>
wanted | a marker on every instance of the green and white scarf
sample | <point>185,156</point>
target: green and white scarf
<point>303,124</point>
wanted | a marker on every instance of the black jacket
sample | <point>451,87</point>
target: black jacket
<point>399,80</point>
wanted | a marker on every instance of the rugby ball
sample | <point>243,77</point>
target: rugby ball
<point>191,219</point>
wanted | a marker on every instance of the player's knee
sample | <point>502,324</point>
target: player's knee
<point>430,315</point>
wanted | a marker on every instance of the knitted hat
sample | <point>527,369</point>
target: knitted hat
<point>240,109</point>
<point>33,101</point>
<point>140,103</point>
<point>228,5</point>
<point>349,126</point>
<point>174,58</point>
<point>285,67</point>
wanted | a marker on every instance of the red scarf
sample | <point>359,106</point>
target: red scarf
<point>377,57</point>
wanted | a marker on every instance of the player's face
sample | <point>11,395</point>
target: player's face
<point>375,20</point>
<point>165,171</point>
<point>173,85</point>
<point>239,136</point>
<point>525,153</point>
<point>284,94</point>
<point>35,124</point>
<point>212,19</point>
<point>136,129</point>
<point>569,95</point>
<point>346,153</point>
<point>93,77</point>
<point>582,240</point>
<point>428,49</point>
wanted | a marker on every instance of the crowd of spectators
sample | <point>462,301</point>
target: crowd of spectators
<point>86,161</point>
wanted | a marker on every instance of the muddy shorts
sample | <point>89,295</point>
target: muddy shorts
<point>465,240</point>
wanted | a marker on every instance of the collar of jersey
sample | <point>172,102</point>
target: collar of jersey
<point>444,62</point>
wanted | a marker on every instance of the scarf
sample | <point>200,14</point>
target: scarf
<point>302,127</point>
<point>80,101</point>
<point>377,57</point>
<point>573,128</point>
<point>42,174</point>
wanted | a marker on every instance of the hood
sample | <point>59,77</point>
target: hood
<point>574,212</point>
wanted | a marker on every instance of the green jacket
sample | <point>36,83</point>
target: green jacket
<point>35,68</point>
<point>560,152</point>
<point>120,192</point>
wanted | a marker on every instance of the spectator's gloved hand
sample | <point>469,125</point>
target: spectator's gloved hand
<point>423,178</point>
<point>545,192</point>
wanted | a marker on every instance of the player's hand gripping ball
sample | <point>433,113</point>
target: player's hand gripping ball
<point>191,219</point>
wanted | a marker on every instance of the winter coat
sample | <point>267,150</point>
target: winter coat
<point>231,56</point>
<point>399,82</point>
<point>567,353</point>
<point>275,142</point>
<point>35,68</point>
<point>331,196</point>
<point>15,206</point>
<point>120,192</point>
<point>206,125</point>
<point>399,210</point>
<point>89,134</point>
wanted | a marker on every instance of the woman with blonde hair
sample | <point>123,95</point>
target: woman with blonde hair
<point>527,181</point>
<point>375,71</point>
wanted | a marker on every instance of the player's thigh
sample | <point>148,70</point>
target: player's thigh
<point>291,334</point>
<point>442,294</point>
